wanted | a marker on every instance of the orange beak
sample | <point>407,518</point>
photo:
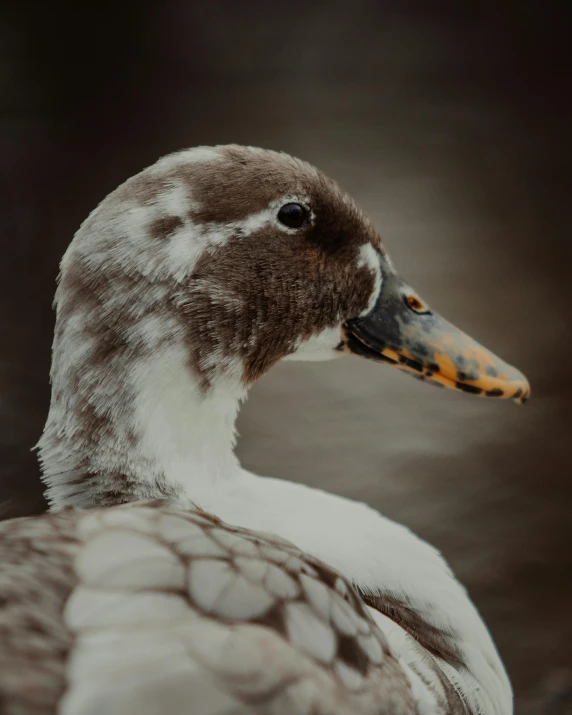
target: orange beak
<point>402,331</point>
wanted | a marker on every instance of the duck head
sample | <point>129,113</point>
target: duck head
<point>270,259</point>
<point>215,263</point>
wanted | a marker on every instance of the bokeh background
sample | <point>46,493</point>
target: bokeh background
<point>449,123</point>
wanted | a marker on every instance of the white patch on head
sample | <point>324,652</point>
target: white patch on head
<point>186,246</point>
<point>188,243</point>
<point>175,201</point>
<point>256,221</point>
<point>243,228</point>
<point>368,256</point>
<point>195,155</point>
<point>319,347</point>
<point>118,233</point>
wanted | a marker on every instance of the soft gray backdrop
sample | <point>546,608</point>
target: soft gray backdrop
<point>449,124</point>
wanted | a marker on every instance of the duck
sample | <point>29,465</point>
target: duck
<point>166,578</point>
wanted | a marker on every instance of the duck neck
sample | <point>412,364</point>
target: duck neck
<point>129,428</point>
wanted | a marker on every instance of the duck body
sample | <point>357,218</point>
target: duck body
<point>167,578</point>
<point>148,608</point>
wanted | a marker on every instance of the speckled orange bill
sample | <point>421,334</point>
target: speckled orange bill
<point>402,331</point>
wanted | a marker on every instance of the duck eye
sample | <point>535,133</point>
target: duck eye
<point>293,215</point>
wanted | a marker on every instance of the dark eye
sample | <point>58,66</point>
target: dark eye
<point>293,215</point>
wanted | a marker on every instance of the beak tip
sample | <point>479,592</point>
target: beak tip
<point>521,391</point>
<point>522,395</point>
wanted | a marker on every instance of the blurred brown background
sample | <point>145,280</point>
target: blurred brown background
<point>449,124</point>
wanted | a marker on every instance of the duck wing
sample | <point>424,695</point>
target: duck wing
<point>146,609</point>
<point>36,578</point>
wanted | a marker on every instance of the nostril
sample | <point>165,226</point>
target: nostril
<point>416,304</point>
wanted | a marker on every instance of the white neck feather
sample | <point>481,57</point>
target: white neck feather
<point>145,432</point>
<point>188,437</point>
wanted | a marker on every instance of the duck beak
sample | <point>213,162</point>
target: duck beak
<point>402,331</point>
